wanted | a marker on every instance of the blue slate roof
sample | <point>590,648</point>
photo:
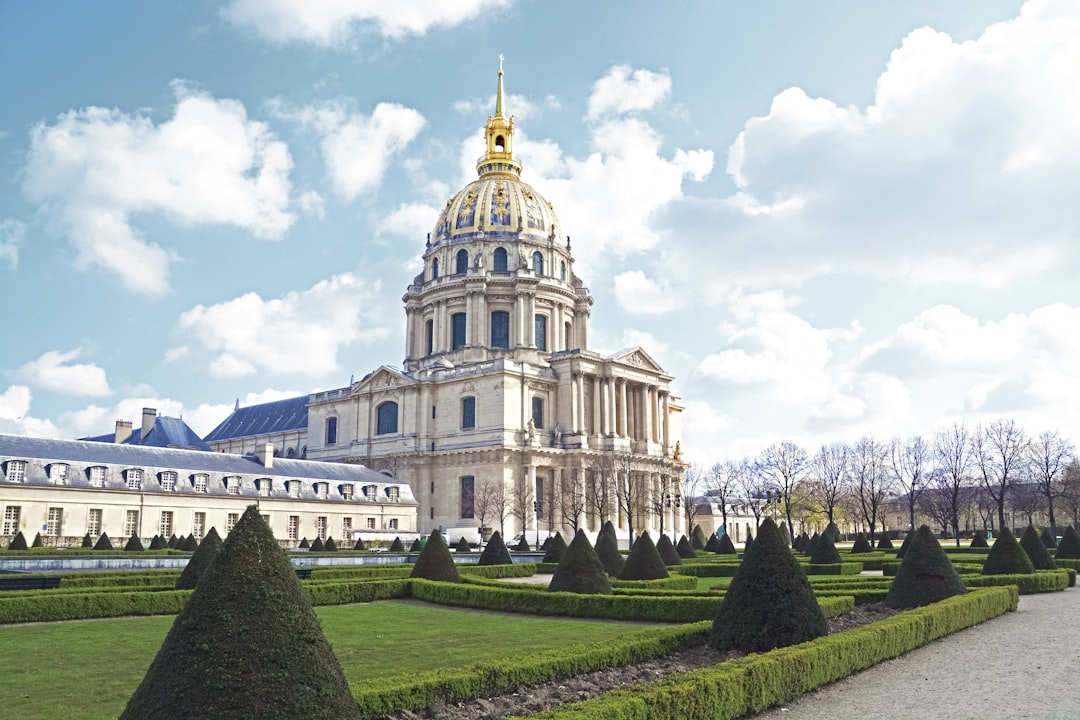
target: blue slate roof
<point>168,432</point>
<point>263,419</point>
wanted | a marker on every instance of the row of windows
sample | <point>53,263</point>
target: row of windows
<point>500,331</point>
<point>498,263</point>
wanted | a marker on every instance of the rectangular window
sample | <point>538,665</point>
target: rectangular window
<point>468,413</point>
<point>539,497</point>
<point>168,484</point>
<point>16,471</point>
<point>58,473</point>
<point>11,519</point>
<point>55,522</point>
<point>346,528</point>
<point>331,431</point>
<point>232,485</point>
<point>322,490</point>
<point>131,523</point>
<point>500,329</point>
<point>392,524</point>
<point>457,324</point>
<point>392,493</point>
<point>320,527</point>
<point>266,519</point>
<point>347,492</point>
<point>294,488</point>
<point>541,332</point>
<point>264,486</point>
<point>93,522</point>
<point>134,479</point>
<point>198,525</point>
<point>371,523</point>
<point>538,413</point>
<point>294,527</point>
<point>429,337</point>
<point>165,525</point>
<point>468,484</point>
<point>201,482</point>
<point>369,493</point>
<point>97,476</point>
<point>230,521</point>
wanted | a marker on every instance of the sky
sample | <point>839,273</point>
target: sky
<point>825,220</point>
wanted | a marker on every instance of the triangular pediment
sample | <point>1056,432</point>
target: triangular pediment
<point>637,358</point>
<point>383,378</point>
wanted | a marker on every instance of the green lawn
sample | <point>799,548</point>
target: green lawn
<point>86,670</point>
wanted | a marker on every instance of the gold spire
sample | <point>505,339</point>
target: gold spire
<point>499,136</point>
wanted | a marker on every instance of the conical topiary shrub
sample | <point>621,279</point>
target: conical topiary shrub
<point>834,532</point>
<point>1036,551</point>
<point>607,549</point>
<point>495,553</point>
<point>317,545</point>
<point>359,544</point>
<point>396,546</point>
<point>1048,539</point>
<point>667,551</point>
<point>463,545</point>
<point>812,544</point>
<point>544,545</point>
<point>697,538</point>
<point>685,549</point>
<point>246,645</point>
<point>87,541</point>
<point>925,576</point>
<point>556,547</point>
<point>769,603</point>
<point>103,542</point>
<point>18,542</point>
<point>200,560</point>
<point>749,543</point>
<point>726,546</point>
<point>330,545</point>
<point>904,545</point>
<point>799,543</point>
<point>158,543</point>
<point>1006,556</point>
<point>523,544</point>
<point>884,543</point>
<point>825,552</point>
<point>861,545</point>
<point>580,569</point>
<point>304,544</point>
<point>174,542</point>
<point>785,537</point>
<point>643,562</point>
<point>978,539</point>
<point>190,544</point>
<point>435,562</point>
<point>712,544</point>
<point>416,546</point>
<point>1069,547</point>
<point>37,541</point>
<point>134,544</point>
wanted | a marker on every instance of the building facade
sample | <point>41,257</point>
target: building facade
<point>501,416</point>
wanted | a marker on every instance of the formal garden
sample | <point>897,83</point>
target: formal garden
<point>719,631</point>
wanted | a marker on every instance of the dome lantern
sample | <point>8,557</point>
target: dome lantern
<point>499,135</point>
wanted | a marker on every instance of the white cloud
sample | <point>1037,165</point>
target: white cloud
<point>409,220</point>
<point>15,402</point>
<point>632,337</point>
<point>520,107</point>
<point>12,235</point>
<point>639,295</point>
<point>299,332</point>
<point>51,371</point>
<point>357,148</point>
<point>15,418</point>
<point>334,23</point>
<point>209,164</point>
<point>625,90</point>
<point>312,203</point>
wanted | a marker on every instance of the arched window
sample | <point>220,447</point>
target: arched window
<point>567,335</point>
<point>457,324</point>
<point>538,263</point>
<point>462,265</point>
<point>387,418</point>
<point>538,413</point>
<point>541,332</point>
<point>435,269</point>
<point>562,270</point>
<point>500,329</point>
<point>498,260</point>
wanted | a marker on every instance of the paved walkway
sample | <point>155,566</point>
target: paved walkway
<point>1024,664</point>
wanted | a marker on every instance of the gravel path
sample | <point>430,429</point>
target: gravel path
<point>1025,664</point>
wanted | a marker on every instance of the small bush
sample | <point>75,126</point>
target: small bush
<point>463,545</point>
<point>862,545</point>
<point>435,562</point>
<point>18,542</point>
<point>727,547</point>
<point>199,561</point>
<point>87,541</point>
<point>134,544</point>
<point>978,540</point>
<point>523,544</point>
<point>190,544</point>
<point>174,542</point>
<point>644,562</point>
<point>1048,539</point>
<point>607,549</point>
<point>1036,551</point>
<point>396,546</point>
<point>37,541</point>
<point>667,551</point>
<point>697,538</point>
<point>304,544</point>
<point>580,569</point>
<point>359,544</point>
<point>556,547</point>
<point>825,552</point>
<point>495,553</point>
<point>811,544</point>
<point>801,542</point>
<point>416,546</point>
<point>103,542</point>
<point>685,549</point>
<point>317,545</point>
<point>713,544</point>
<point>1069,549</point>
<point>330,545</point>
<point>884,543</point>
<point>925,576</point>
<point>785,536</point>
<point>1006,557</point>
<point>158,543</point>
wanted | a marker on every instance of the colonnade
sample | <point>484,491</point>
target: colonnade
<point>618,407</point>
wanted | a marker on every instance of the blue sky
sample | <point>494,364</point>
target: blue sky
<point>825,219</point>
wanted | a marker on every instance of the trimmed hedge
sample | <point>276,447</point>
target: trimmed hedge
<point>840,568</point>
<point>82,606</point>
<point>511,570</point>
<point>1025,583</point>
<point>360,572</point>
<point>344,593</point>
<point>753,683</point>
<point>675,582</point>
<point>707,570</point>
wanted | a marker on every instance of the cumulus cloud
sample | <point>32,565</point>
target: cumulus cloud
<point>12,234</point>
<point>15,418</point>
<point>408,220</point>
<point>336,23</point>
<point>208,164</point>
<point>299,332</point>
<point>357,148</point>
<point>52,372</point>
<point>640,295</point>
<point>625,90</point>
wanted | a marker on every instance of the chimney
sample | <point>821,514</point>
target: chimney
<point>123,431</point>
<point>266,456</point>
<point>149,419</point>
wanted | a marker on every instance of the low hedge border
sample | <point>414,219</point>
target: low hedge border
<point>1026,583</point>
<point>120,579</point>
<point>361,572</point>
<point>841,568</point>
<point>415,692</point>
<point>863,596</point>
<point>675,582</point>
<point>1067,563</point>
<point>755,682</point>
<point>344,593</point>
<point>710,570</point>
<point>513,570</point>
<point>543,568</point>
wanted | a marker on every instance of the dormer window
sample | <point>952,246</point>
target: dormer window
<point>346,492</point>
<point>392,493</point>
<point>58,473</point>
<point>264,485</point>
<point>200,482</point>
<point>96,475</point>
<point>369,493</point>
<point>15,471</point>
<point>232,485</point>
<point>322,490</point>
<point>168,481</point>
<point>133,479</point>
<point>294,488</point>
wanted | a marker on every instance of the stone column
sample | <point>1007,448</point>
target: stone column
<point>649,403</point>
<point>579,416</point>
<point>622,409</point>
<point>667,427</point>
<point>596,405</point>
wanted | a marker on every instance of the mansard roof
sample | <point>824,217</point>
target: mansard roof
<point>279,416</point>
<point>168,432</point>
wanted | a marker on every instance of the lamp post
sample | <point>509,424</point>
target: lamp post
<point>536,521</point>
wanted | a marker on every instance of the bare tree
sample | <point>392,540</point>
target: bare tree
<point>953,456</point>
<point>1027,499</point>
<point>599,483</point>
<point>572,499</point>
<point>870,483</point>
<point>908,462</point>
<point>1001,449</point>
<point>523,501</point>
<point>1070,491</point>
<point>1049,455</point>
<point>754,484</point>
<point>785,464</point>
<point>723,484</point>
<point>829,469</point>
<point>631,489</point>
<point>695,486</point>
<point>935,502</point>
<point>488,496</point>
